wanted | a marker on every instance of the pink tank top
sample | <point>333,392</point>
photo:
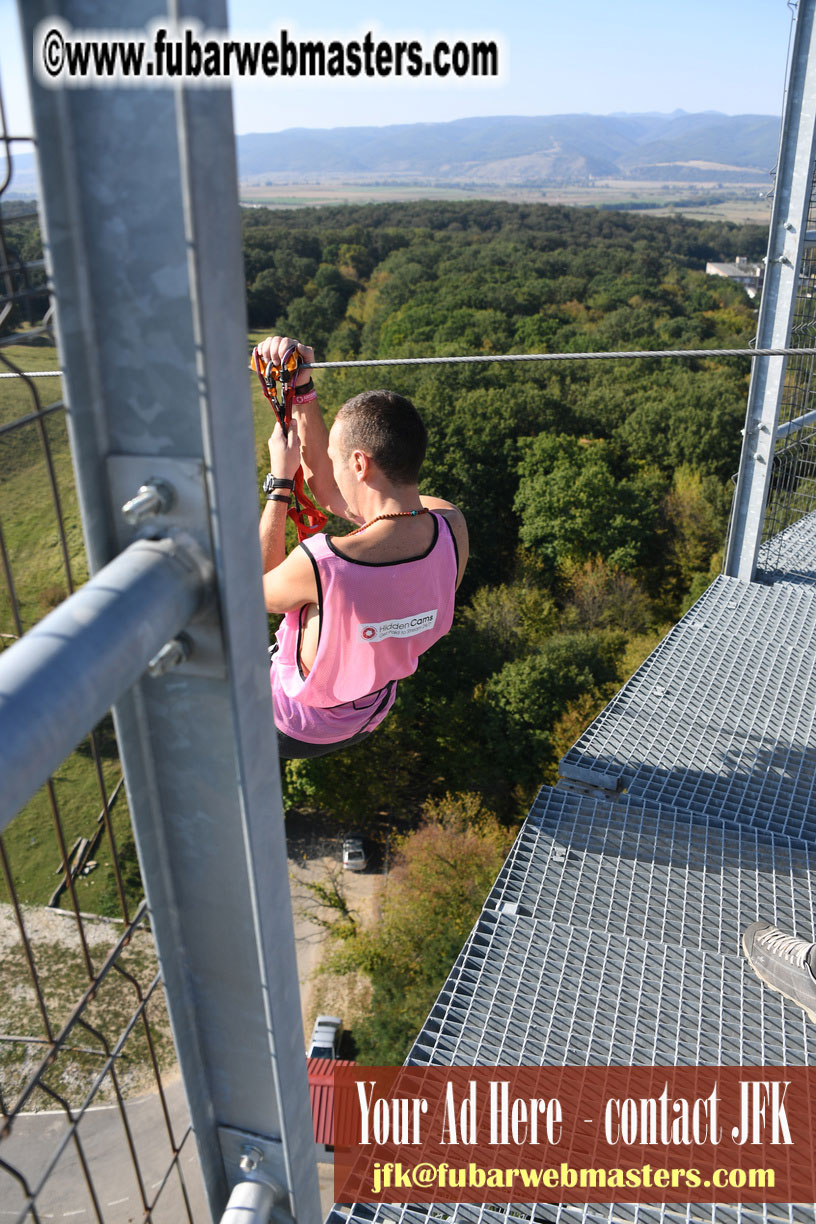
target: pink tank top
<point>376,619</point>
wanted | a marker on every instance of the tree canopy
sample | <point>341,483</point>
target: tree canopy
<point>586,485</point>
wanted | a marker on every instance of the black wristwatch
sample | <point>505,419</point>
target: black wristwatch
<point>271,483</point>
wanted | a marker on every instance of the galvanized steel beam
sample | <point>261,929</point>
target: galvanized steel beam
<point>787,239</point>
<point>143,243</point>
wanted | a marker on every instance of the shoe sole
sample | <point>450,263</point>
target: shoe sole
<point>783,993</point>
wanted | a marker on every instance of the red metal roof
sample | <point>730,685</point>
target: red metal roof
<point>321,1092</point>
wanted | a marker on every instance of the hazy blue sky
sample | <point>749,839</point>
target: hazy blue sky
<point>597,57</point>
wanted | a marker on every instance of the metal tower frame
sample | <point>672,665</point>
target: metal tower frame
<point>787,241</point>
<point>142,233</point>
<point>143,246</point>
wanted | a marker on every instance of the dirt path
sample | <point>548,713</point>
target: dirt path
<point>360,889</point>
<point>56,947</point>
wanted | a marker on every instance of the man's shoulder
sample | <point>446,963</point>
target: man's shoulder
<point>458,525</point>
<point>452,513</point>
<point>439,505</point>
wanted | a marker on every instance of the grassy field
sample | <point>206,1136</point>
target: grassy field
<point>29,522</point>
<point>30,514</point>
<point>740,202</point>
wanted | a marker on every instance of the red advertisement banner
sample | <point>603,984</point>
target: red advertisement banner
<point>574,1134</point>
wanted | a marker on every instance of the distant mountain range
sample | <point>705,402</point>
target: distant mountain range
<point>510,150</point>
<point>519,150</point>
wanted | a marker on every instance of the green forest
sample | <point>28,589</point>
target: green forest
<point>596,494</point>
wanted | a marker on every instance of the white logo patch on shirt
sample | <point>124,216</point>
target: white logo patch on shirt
<point>408,627</point>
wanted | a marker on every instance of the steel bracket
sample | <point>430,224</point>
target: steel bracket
<point>270,1169</point>
<point>187,515</point>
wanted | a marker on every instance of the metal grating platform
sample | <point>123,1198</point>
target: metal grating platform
<point>531,993</point>
<point>721,718</point>
<point>654,873</point>
<point>611,936</point>
<point>577,1213</point>
<point>790,556</point>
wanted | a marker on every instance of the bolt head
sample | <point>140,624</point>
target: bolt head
<point>251,1158</point>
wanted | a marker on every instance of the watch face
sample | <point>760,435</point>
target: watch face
<point>267,484</point>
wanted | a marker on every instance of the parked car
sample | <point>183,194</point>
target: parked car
<point>325,1037</point>
<point>354,855</point>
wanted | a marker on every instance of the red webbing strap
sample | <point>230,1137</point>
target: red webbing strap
<point>306,516</point>
<point>308,519</point>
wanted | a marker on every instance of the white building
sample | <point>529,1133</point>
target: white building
<point>743,271</point>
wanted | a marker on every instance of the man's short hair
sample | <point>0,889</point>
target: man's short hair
<point>387,427</point>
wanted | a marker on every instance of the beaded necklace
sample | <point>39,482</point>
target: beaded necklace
<point>396,514</point>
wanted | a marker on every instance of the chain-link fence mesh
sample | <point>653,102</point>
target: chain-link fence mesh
<point>793,481</point>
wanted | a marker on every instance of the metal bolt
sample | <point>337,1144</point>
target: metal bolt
<point>172,653</point>
<point>251,1158</point>
<point>155,496</point>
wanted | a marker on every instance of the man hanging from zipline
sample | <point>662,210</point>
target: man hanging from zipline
<point>361,608</point>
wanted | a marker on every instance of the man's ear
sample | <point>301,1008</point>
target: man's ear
<point>361,464</point>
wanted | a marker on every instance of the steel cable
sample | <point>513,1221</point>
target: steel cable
<point>621,354</point>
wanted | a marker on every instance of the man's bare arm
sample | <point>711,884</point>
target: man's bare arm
<point>288,582</point>
<point>317,466</point>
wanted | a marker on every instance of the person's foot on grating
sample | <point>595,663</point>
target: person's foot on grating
<point>784,962</point>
